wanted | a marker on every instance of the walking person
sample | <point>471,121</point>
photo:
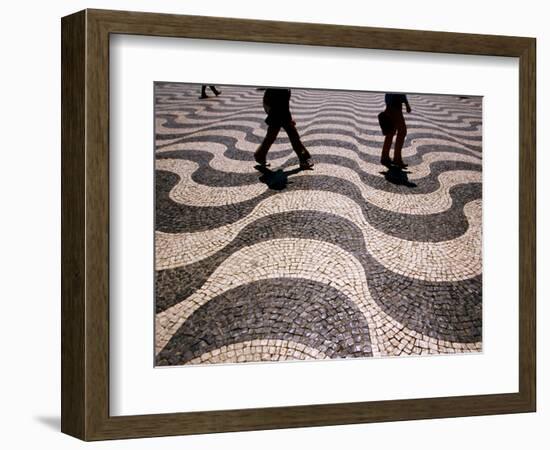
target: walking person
<point>212,88</point>
<point>392,122</point>
<point>277,107</point>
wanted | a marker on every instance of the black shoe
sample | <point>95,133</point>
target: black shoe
<point>306,164</point>
<point>203,96</point>
<point>261,162</point>
<point>386,162</point>
<point>400,164</point>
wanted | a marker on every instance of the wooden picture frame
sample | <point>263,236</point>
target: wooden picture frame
<point>85,224</point>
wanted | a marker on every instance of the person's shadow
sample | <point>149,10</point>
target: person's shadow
<point>276,180</point>
<point>397,176</point>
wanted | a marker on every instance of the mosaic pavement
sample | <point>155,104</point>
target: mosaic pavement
<point>349,259</point>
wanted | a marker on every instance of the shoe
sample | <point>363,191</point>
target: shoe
<point>216,93</point>
<point>306,164</point>
<point>400,164</point>
<point>261,162</point>
<point>203,96</point>
<point>386,162</point>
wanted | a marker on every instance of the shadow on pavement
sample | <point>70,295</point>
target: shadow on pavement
<point>276,180</point>
<point>398,176</point>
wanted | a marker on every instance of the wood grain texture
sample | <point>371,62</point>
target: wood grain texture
<point>97,225</point>
<point>527,224</point>
<point>85,224</point>
<point>151,24</point>
<point>73,129</point>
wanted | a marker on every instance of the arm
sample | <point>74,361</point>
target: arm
<point>407,104</point>
<point>289,113</point>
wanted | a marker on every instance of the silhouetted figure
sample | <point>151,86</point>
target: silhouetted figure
<point>277,106</point>
<point>392,122</point>
<point>212,88</point>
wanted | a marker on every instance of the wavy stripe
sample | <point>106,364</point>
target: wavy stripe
<point>222,163</point>
<point>451,260</point>
<point>296,258</point>
<point>188,192</point>
<point>173,217</point>
<point>342,128</point>
<point>244,142</point>
<point>183,116</point>
<point>361,120</point>
<point>272,350</point>
<point>207,175</point>
<point>437,105</point>
<point>449,311</point>
<point>434,104</point>
<point>319,315</point>
<point>256,350</point>
<point>370,128</point>
<point>186,115</point>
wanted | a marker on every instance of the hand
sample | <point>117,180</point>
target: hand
<point>408,108</point>
<point>293,123</point>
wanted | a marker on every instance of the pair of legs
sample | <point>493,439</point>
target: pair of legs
<point>399,128</point>
<point>272,131</point>
<point>212,88</point>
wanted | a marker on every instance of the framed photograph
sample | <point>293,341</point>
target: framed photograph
<point>272,225</point>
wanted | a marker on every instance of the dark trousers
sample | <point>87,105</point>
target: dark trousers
<point>293,136</point>
<point>203,90</point>
<point>400,128</point>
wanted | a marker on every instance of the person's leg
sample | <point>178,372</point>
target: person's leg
<point>296,142</point>
<point>203,91</point>
<point>385,159</point>
<point>260,154</point>
<point>215,91</point>
<point>400,139</point>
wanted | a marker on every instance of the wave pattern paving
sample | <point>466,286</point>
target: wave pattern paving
<point>349,259</point>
